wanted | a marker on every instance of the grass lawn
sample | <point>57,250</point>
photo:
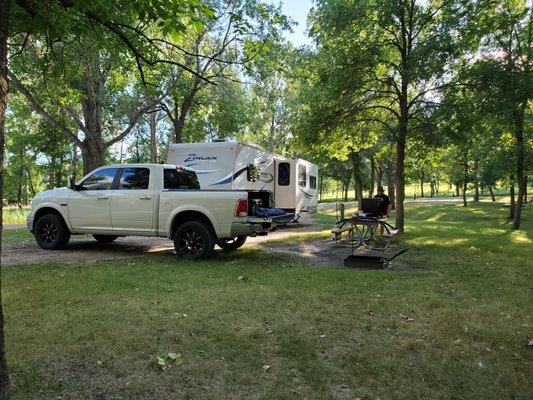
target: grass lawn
<point>452,322</point>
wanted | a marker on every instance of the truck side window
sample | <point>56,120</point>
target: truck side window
<point>100,180</point>
<point>134,178</point>
<point>180,179</point>
<point>312,182</point>
<point>302,175</point>
<point>284,174</point>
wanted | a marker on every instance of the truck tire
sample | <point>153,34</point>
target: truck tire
<point>194,240</point>
<point>105,239</point>
<point>232,244</point>
<point>51,233</point>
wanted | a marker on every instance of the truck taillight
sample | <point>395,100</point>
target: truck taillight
<point>242,208</point>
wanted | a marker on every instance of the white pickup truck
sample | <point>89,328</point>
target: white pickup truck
<point>148,200</point>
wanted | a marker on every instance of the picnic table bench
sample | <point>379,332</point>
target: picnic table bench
<point>373,233</point>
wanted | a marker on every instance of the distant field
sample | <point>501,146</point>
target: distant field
<point>414,189</point>
<point>15,215</point>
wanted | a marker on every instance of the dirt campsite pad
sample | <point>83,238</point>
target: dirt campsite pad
<point>83,248</point>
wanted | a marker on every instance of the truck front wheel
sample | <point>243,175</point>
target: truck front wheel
<point>51,233</point>
<point>232,244</point>
<point>194,240</point>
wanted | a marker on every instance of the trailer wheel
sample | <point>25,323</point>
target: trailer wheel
<point>105,239</point>
<point>51,233</point>
<point>232,244</point>
<point>194,240</point>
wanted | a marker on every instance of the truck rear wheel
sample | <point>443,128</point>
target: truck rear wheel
<point>105,239</point>
<point>232,244</point>
<point>194,240</point>
<point>51,233</point>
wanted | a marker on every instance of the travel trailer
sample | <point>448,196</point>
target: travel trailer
<point>235,165</point>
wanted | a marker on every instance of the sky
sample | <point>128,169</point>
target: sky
<point>297,10</point>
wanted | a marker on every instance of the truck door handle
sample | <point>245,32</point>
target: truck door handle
<point>144,197</point>
<point>103,197</point>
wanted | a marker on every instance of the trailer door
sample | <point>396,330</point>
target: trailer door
<point>284,189</point>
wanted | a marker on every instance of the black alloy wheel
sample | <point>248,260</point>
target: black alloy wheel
<point>194,240</point>
<point>51,233</point>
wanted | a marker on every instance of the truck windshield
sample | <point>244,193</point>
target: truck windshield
<point>180,179</point>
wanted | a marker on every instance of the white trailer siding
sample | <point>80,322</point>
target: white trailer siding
<point>224,165</point>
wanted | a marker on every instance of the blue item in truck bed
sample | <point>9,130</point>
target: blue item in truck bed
<point>269,212</point>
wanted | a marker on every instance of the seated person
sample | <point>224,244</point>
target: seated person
<point>384,204</point>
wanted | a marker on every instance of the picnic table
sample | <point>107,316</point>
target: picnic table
<point>373,233</point>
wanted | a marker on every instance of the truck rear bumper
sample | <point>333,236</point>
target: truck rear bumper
<point>249,228</point>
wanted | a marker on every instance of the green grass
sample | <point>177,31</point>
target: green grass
<point>16,235</point>
<point>452,321</point>
<point>15,215</point>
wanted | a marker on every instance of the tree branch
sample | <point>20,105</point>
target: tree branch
<point>41,111</point>
<point>138,115</point>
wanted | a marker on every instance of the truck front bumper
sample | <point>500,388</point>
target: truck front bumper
<point>29,222</point>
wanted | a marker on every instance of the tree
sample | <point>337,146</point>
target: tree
<point>503,77</point>
<point>4,90</point>
<point>241,32</point>
<point>86,83</point>
<point>387,62</point>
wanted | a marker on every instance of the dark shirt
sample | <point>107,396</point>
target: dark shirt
<point>383,204</point>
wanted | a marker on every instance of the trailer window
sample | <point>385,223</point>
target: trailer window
<point>284,174</point>
<point>174,179</point>
<point>134,178</point>
<point>302,175</point>
<point>312,182</point>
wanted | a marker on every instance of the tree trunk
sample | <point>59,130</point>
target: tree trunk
<point>457,194</point>
<point>379,180</point>
<point>29,182</point>
<point>20,178</point>
<point>272,140</point>
<point>520,156</point>
<point>358,190</point>
<point>74,161</point>
<point>92,106</point>
<point>346,187</point>
<point>492,193</point>
<point>93,155</point>
<point>525,189</point>
<point>391,187</point>
<point>465,180</point>
<point>422,184</point>
<point>476,182</point>
<point>153,137</point>
<point>59,172</point>
<point>372,176</point>
<point>400,180</point>
<point>4,93</point>
<point>512,194</point>
<point>52,173</point>
<point>179,123</point>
